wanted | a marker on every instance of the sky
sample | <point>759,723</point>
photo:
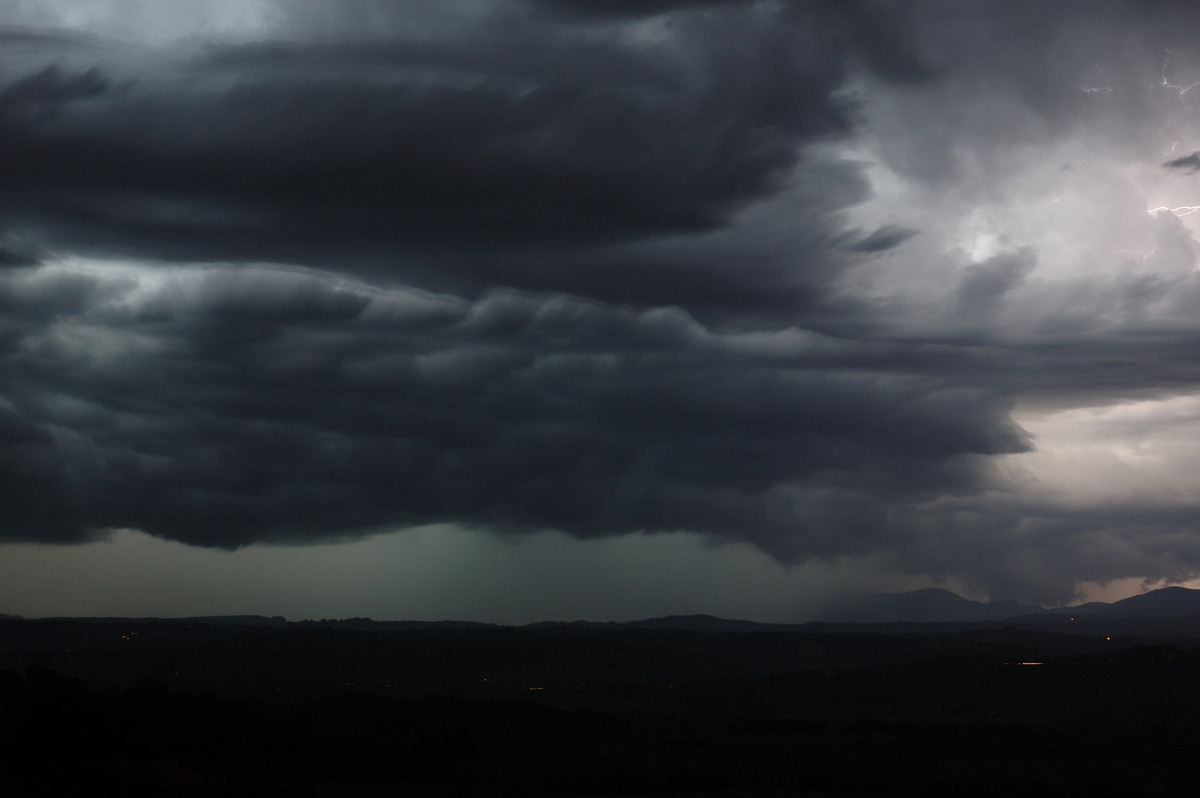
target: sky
<point>551,309</point>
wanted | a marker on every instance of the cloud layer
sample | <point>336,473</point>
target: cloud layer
<point>828,278</point>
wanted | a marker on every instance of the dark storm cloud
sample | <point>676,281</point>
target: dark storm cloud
<point>518,149</point>
<point>1187,163</point>
<point>625,8</point>
<point>225,407</point>
<point>880,34</point>
<point>984,284</point>
<point>16,253</point>
<point>881,239</point>
<point>584,266</point>
<point>374,153</point>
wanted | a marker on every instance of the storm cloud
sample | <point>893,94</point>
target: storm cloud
<point>832,279</point>
<point>1188,163</point>
<point>221,406</point>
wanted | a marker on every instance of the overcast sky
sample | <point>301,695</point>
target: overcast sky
<point>553,309</point>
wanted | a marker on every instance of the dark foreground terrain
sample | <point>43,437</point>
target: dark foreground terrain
<point>264,708</point>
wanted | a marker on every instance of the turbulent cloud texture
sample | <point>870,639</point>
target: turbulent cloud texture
<point>828,278</point>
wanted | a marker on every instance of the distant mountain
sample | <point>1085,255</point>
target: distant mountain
<point>207,620</point>
<point>706,623</point>
<point>934,605</point>
<point>690,623</point>
<point>237,620</point>
<point>931,605</point>
<point>369,625</point>
<point>1166,600</point>
<point>927,606</point>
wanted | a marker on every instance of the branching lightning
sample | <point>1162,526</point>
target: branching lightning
<point>1168,84</point>
<point>1172,120</point>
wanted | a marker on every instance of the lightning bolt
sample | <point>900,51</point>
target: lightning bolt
<point>1173,121</point>
<point>1181,90</point>
<point>1182,210</point>
<point>1168,84</point>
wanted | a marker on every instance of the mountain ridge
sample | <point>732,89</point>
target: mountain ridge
<point>926,605</point>
<point>938,605</point>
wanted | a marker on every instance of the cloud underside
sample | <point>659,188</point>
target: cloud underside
<point>779,273</point>
<point>228,405</point>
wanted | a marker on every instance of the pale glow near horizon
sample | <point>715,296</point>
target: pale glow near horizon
<point>1123,452</point>
<point>438,572</point>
